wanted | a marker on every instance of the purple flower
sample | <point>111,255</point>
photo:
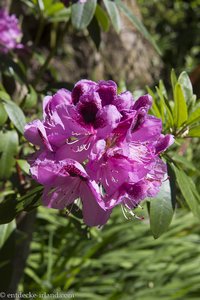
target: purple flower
<point>10,33</point>
<point>66,180</point>
<point>99,146</point>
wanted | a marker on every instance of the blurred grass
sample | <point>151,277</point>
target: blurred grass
<point>122,261</point>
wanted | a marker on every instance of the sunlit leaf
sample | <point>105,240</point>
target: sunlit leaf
<point>11,207</point>
<point>23,164</point>
<point>137,23</point>
<point>82,14</point>
<point>173,79</point>
<point>161,210</point>
<point>102,18</point>
<point>194,131</point>
<point>188,191</point>
<point>113,14</point>
<point>31,98</point>
<point>5,232</point>
<point>3,115</point>
<point>186,85</point>
<point>15,114</point>
<point>194,116</point>
<point>8,149</point>
<point>180,107</point>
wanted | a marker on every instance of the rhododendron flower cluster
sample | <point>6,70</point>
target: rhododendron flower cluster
<point>99,146</point>
<point>10,33</point>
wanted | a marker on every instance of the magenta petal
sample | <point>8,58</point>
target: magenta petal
<point>88,106</point>
<point>123,101</point>
<point>106,120</point>
<point>61,196</point>
<point>81,87</point>
<point>72,121</point>
<point>143,102</point>
<point>94,212</point>
<point>107,91</point>
<point>35,133</point>
<point>78,150</point>
<point>164,142</point>
<point>46,171</point>
<point>50,103</point>
<point>148,131</point>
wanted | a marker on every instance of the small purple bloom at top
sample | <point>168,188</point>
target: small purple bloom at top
<point>10,33</point>
<point>99,146</point>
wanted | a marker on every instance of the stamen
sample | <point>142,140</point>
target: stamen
<point>72,142</point>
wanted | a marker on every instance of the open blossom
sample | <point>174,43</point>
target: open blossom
<point>99,146</point>
<point>10,33</point>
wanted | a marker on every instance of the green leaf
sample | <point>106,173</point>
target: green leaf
<point>8,148</point>
<point>194,116</point>
<point>162,89</point>
<point>102,18</point>
<point>161,210</point>
<point>194,132</point>
<point>173,79</point>
<point>137,23</point>
<point>188,191</point>
<point>183,161</point>
<point>31,98</point>
<point>12,206</point>
<point>186,85</point>
<point>15,114</point>
<point>94,31</point>
<point>61,16</point>
<point>180,107</point>
<point>24,165</point>
<point>4,95</point>
<point>82,14</point>
<point>154,109</point>
<point>113,14</point>
<point>3,115</point>
<point>5,231</point>
<point>53,9</point>
<point>165,109</point>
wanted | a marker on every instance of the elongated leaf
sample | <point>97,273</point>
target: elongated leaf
<point>194,117</point>
<point>154,109</point>
<point>194,132</point>
<point>180,107</point>
<point>137,23</point>
<point>183,161</point>
<point>15,114</point>
<point>8,148</point>
<point>5,232</point>
<point>4,96</point>
<point>161,210</point>
<point>102,18</point>
<point>31,98</point>
<point>113,14</point>
<point>3,115</point>
<point>82,14</point>
<point>165,109</point>
<point>24,165</point>
<point>186,85</point>
<point>95,33</point>
<point>188,191</point>
<point>173,79</point>
<point>11,207</point>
